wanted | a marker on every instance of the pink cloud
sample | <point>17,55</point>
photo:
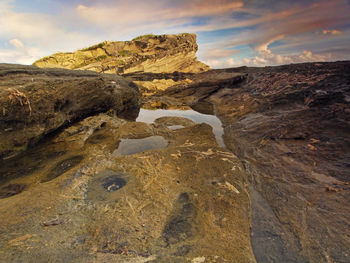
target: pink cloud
<point>208,8</point>
<point>288,24</point>
<point>154,11</point>
<point>215,53</point>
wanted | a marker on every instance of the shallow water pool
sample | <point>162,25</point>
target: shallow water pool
<point>149,116</point>
<point>132,146</point>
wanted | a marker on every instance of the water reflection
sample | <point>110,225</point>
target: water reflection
<point>175,127</point>
<point>132,146</point>
<point>149,116</point>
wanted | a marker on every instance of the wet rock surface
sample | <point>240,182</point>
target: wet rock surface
<point>132,146</point>
<point>278,192</point>
<point>181,225</point>
<point>187,89</point>
<point>113,183</point>
<point>35,102</point>
<point>290,127</point>
<point>157,205</point>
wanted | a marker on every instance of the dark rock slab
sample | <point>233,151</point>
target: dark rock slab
<point>35,102</point>
<point>195,93</point>
<point>180,226</point>
<point>11,189</point>
<point>62,167</point>
<point>291,127</point>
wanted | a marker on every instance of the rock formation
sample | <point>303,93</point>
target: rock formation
<point>277,191</point>
<point>290,126</point>
<point>148,53</point>
<point>72,199</point>
<point>35,102</point>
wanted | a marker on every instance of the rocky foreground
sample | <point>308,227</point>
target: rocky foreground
<point>35,102</point>
<point>278,192</point>
<point>290,126</point>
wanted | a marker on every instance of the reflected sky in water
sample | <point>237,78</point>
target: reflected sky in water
<point>149,116</point>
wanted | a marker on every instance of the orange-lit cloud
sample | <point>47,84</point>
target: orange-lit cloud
<point>296,21</point>
<point>216,53</point>
<point>331,32</point>
<point>154,11</point>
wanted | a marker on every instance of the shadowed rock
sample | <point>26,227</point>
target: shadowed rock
<point>11,189</point>
<point>63,167</point>
<point>180,226</point>
<point>113,183</point>
<point>35,102</point>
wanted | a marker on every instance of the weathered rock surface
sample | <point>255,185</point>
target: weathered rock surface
<point>35,102</point>
<point>290,125</point>
<point>149,53</point>
<point>180,89</point>
<point>76,201</point>
<point>280,189</point>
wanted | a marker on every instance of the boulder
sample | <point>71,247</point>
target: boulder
<point>35,102</point>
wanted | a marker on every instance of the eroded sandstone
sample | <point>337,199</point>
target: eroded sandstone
<point>148,53</point>
<point>81,203</point>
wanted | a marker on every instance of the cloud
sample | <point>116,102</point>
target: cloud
<point>17,52</point>
<point>154,11</point>
<point>331,32</point>
<point>277,59</point>
<point>29,36</point>
<point>263,48</point>
<point>296,21</point>
<point>136,17</point>
<point>216,53</point>
<point>17,43</point>
<point>221,63</point>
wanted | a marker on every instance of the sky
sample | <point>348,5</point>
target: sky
<point>229,33</point>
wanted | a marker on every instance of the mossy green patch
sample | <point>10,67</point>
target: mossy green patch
<point>99,45</point>
<point>102,57</point>
<point>143,36</point>
<point>124,53</point>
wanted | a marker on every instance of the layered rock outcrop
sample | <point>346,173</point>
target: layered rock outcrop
<point>148,53</point>
<point>35,102</point>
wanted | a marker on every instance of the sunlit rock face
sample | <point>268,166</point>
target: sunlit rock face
<point>72,199</point>
<point>148,53</point>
